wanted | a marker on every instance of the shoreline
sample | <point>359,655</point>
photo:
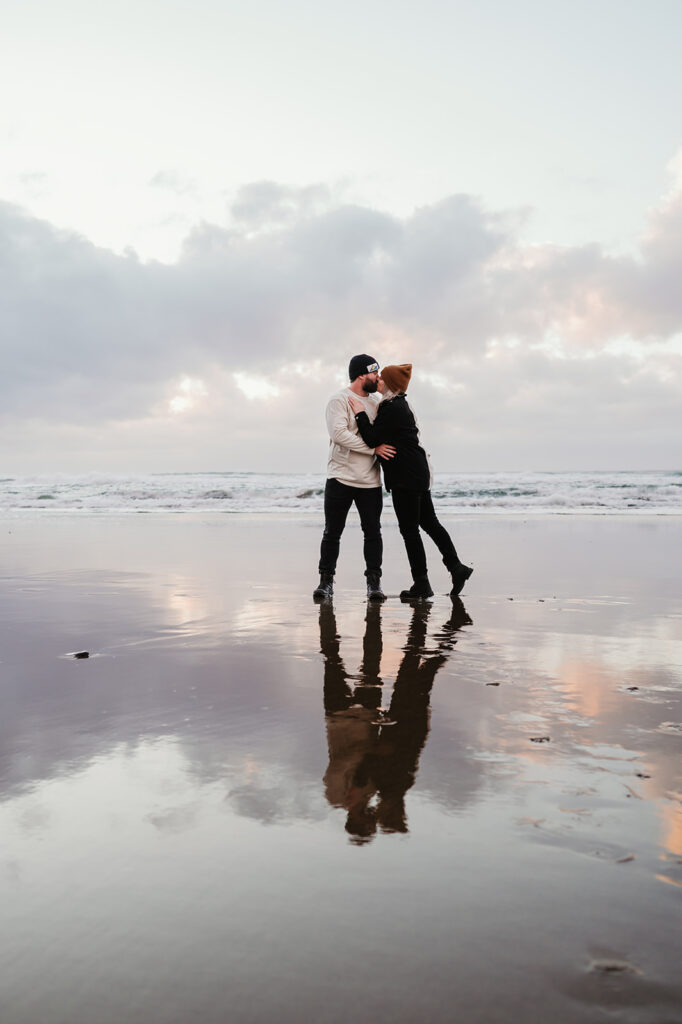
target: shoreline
<point>305,515</point>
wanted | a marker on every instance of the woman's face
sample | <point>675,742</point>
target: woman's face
<point>381,387</point>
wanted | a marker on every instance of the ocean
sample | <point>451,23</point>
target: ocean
<point>623,493</point>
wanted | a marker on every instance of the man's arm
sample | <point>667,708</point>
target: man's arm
<point>337,425</point>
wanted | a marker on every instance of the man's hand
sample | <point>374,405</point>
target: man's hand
<point>355,404</point>
<point>385,451</point>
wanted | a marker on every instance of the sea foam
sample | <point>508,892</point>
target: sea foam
<point>658,493</point>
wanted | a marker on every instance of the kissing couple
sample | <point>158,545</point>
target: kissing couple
<point>371,425</point>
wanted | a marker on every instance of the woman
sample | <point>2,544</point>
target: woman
<point>408,477</point>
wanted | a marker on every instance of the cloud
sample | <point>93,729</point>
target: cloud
<point>34,183</point>
<point>176,183</point>
<point>268,203</point>
<point>509,337</point>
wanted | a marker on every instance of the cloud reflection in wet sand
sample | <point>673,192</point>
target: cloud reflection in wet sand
<point>235,756</point>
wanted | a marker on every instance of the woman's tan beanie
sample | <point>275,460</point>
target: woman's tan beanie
<point>397,378</point>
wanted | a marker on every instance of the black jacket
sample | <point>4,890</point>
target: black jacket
<point>395,424</point>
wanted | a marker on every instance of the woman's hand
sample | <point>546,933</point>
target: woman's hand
<point>384,451</point>
<point>355,404</point>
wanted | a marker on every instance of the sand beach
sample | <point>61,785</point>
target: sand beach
<point>246,807</point>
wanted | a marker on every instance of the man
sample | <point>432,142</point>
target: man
<point>353,477</point>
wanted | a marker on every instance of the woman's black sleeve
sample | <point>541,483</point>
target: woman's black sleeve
<point>373,434</point>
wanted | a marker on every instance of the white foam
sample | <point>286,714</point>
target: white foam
<point>657,493</point>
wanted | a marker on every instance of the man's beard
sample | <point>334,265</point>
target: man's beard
<point>369,386</point>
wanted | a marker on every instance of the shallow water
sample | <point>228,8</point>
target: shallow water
<point>246,807</point>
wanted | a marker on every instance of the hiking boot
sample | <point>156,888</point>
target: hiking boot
<point>460,574</point>
<point>374,591</point>
<point>325,587</point>
<point>420,588</point>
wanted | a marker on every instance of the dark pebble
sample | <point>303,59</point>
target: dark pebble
<point>613,967</point>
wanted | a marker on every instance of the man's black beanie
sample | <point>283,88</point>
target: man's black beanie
<point>358,365</point>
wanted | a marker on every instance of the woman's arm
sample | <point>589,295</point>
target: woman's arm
<point>376,430</point>
<point>383,450</point>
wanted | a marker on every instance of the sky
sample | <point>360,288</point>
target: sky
<point>206,208</point>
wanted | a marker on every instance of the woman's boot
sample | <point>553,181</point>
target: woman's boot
<point>420,588</point>
<point>460,574</point>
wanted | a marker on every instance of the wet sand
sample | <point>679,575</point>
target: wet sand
<point>245,807</point>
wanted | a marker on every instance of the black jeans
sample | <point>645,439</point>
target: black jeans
<point>414,509</point>
<point>338,499</point>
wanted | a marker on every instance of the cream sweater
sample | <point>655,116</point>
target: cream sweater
<point>350,461</point>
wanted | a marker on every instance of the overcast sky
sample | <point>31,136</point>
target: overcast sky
<point>206,208</point>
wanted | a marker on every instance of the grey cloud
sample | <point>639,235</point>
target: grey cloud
<point>268,203</point>
<point>78,325</point>
<point>174,182</point>
<point>89,336</point>
<point>34,183</point>
<point>530,410</point>
<point>587,296</point>
<point>443,249</point>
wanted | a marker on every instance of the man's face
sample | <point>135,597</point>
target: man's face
<point>369,382</point>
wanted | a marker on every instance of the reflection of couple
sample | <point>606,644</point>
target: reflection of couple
<point>364,431</point>
<point>374,755</point>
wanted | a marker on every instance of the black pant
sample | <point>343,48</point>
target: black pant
<point>414,509</point>
<point>338,499</point>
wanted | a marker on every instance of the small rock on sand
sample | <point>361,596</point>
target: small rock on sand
<point>613,967</point>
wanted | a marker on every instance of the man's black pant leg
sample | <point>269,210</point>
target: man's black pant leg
<point>369,502</point>
<point>337,501</point>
